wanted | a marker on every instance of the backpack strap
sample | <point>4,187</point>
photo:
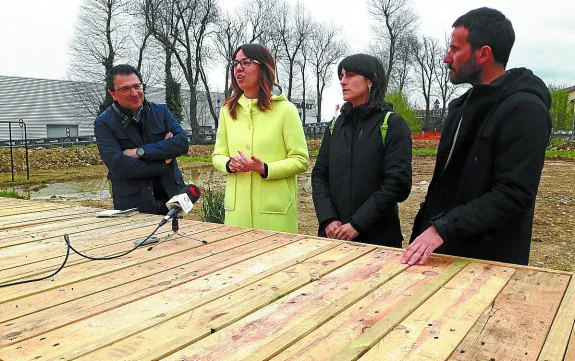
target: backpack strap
<point>383,127</point>
<point>332,125</point>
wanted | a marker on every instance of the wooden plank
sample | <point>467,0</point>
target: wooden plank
<point>86,269</point>
<point>146,273</point>
<point>198,322</point>
<point>570,355</point>
<point>30,209</point>
<point>434,329</point>
<point>20,221</point>
<point>370,312</point>
<point>104,245</point>
<point>42,231</point>
<point>515,326</point>
<point>558,338</point>
<point>53,247</point>
<point>502,264</point>
<point>30,213</point>
<point>305,307</point>
<point>13,202</point>
<point>356,348</point>
<point>168,274</point>
<point>46,231</point>
<point>87,335</point>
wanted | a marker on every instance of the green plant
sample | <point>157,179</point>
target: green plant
<point>195,159</point>
<point>212,206</point>
<point>424,152</point>
<point>402,107</point>
<point>11,194</point>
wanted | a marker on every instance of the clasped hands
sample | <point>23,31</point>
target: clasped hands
<point>241,163</point>
<point>337,230</point>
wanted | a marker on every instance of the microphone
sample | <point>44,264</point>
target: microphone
<point>183,203</point>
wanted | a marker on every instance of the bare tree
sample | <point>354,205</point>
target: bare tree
<point>183,26</point>
<point>325,49</point>
<point>260,15</point>
<point>398,19</point>
<point>293,28</point>
<point>230,35</point>
<point>427,54</point>
<point>100,39</point>
<point>302,62</point>
<point>400,78</point>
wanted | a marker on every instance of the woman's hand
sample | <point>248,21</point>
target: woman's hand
<point>346,232</point>
<point>253,164</point>
<point>237,165</point>
<point>331,228</point>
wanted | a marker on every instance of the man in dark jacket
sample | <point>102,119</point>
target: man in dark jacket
<point>481,199</point>
<point>139,142</point>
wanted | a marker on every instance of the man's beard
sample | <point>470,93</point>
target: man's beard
<point>470,73</point>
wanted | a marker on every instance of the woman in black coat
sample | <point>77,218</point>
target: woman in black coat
<point>363,168</point>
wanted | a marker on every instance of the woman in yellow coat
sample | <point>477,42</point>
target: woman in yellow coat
<point>260,145</point>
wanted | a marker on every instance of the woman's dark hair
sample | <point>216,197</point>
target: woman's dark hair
<point>267,66</point>
<point>371,68</point>
<point>489,27</point>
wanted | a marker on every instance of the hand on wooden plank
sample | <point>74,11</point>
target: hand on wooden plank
<point>422,247</point>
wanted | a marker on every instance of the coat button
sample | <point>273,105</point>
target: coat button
<point>250,127</point>
<point>247,147</point>
<point>148,188</point>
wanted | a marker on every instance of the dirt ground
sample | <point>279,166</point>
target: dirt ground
<point>553,244</point>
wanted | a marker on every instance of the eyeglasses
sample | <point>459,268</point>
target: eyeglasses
<point>244,63</point>
<point>128,88</point>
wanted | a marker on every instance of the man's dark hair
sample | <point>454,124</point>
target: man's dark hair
<point>121,69</point>
<point>489,27</point>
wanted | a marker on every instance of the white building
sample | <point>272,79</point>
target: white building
<point>62,108</point>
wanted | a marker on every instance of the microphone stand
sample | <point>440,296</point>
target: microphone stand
<point>175,229</point>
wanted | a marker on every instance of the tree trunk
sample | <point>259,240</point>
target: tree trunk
<point>173,88</point>
<point>319,100</point>
<point>193,114</point>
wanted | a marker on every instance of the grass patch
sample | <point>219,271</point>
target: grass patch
<point>212,206</point>
<point>11,194</point>
<point>550,153</point>
<point>424,152</point>
<point>195,159</point>
<point>553,153</point>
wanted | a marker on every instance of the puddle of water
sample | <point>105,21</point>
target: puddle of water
<point>100,188</point>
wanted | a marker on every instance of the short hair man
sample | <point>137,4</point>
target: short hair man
<point>481,198</point>
<point>139,142</point>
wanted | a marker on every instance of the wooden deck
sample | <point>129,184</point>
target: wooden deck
<point>216,292</point>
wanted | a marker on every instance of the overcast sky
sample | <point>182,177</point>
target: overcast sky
<point>34,34</point>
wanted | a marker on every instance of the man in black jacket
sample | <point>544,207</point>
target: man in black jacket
<point>139,142</point>
<point>481,199</point>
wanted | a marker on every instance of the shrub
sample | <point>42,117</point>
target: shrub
<point>11,194</point>
<point>212,206</point>
<point>402,107</point>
